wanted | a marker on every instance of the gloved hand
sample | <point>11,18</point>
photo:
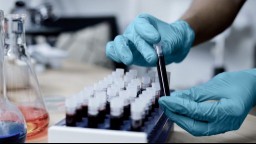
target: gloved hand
<point>135,46</point>
<point>233,95</point>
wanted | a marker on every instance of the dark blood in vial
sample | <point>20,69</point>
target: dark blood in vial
<point>71,120</point>
<point>93,121</point>
<point>79,114</point>
<point>127,112</point>
<point>115,122</point>
<point>163,79</point>
<point>85,110</point>
<point>102,115</point>
<point>108,108</point>
<point>136,125</point>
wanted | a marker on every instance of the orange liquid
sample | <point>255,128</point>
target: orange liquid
<point>37,120</point>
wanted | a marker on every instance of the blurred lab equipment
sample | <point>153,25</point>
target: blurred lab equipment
<point>21,7</point>
<point>12,123</point>
<point>27,96</point>
<point>47,55</point>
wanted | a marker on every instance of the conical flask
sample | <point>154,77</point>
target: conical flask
<point>12,123</point>
<point>22,82</point>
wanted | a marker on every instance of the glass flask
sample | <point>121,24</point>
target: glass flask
<point>22,82</point>
<point>12,123</point>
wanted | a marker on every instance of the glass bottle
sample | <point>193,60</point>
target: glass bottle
<point>12,123</point>
<point>22,82</point>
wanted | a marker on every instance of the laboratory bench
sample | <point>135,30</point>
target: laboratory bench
<point>73,77</point>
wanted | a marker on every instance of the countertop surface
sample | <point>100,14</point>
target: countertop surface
<point>58,84</point>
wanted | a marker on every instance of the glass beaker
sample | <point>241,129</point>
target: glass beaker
<point>22,82</point>
<point>12,123</point>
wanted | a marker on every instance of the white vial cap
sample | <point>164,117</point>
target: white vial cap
<point>146,80</point>
<point>96,87</point>
<point>93,106</point>
<point>134,73</point>
<point>89,91</point>
<point>111,92</point>
<point>79,99</point>
<point>156,86</point>
<point>120,72</point>
<point>70,104</point>
<point>136,112</point>
<point>100,94</point>
<point>116,107</point>
<point>132,91</point>
<point>152,75</point>
<point>127,77</point>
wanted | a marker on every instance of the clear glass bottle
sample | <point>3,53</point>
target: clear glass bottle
<point>12,123</point>
<point>22,83</point>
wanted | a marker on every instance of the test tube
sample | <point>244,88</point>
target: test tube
<point>70,105</point>
<point>145,103</point>
<point>85,106</point>
<point>161,69</point>
<point>136,117</point>
<point>127,109</point>
<point>111,93</point>
<point>87,93</point>
<point>116,115</point>
<point>79,111</point>
<point>102,99</point>
<point>152,98</point>
<point>93,113</point>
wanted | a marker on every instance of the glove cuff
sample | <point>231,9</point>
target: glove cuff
<point>188,36</point>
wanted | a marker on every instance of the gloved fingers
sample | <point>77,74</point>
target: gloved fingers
<point>122,50</point>
<point>182,94</point>
<point>146,30</point>
<point>145,49</point>
<point>206,92</point>
<point>111,53</point>
<point>205,111</point>
<point>194,127</point>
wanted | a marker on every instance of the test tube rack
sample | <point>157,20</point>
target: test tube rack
<point>156,130</point>
<point>153,127</point>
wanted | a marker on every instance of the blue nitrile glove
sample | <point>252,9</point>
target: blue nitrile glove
<point>231,96</point>
<point>135,46</point>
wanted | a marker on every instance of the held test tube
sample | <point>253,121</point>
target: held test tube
<point>161,69</point>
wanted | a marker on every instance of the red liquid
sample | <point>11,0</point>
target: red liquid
<point>37,120</point>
